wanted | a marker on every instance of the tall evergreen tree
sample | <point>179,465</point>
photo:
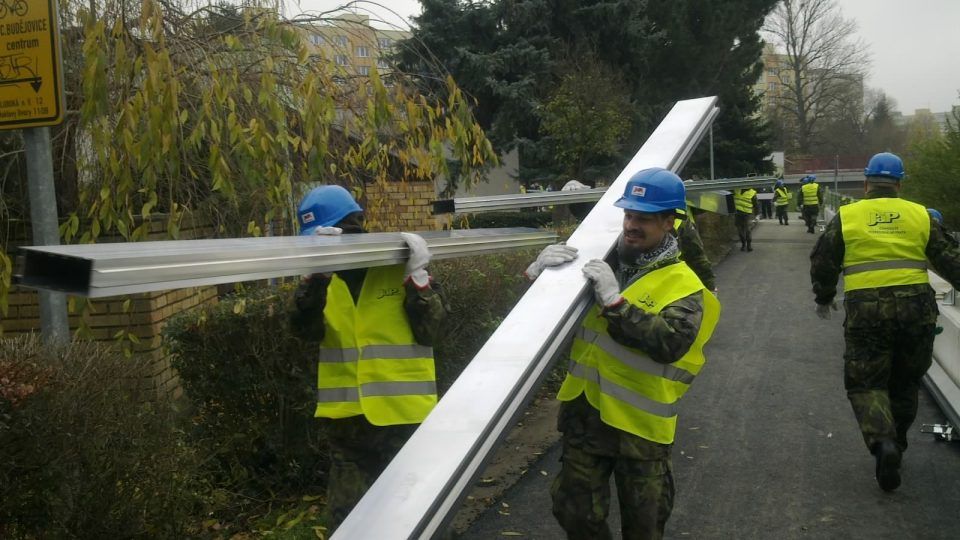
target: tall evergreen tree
<point>511,55</point>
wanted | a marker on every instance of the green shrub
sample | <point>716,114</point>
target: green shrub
<point>525,218</point>
<point>251,386</point>
<point>82,455</point>
<point>479,293</point>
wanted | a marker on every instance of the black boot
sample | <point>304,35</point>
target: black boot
<point>888,464</point>
<point>749,248</point>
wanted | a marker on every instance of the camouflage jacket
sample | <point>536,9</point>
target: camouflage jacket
<point>665,336</point>
<point>826,262</point>
<point>424,309</point>
<point>693,253</point>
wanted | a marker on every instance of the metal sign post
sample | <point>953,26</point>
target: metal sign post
<point>54,327</point>
<point>31,96</point>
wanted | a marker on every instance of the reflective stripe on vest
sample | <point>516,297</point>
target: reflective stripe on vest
<point>632,392</point>
<point>783,196</point>
<point>743,200</point>
<point>883,265</point>
<point>369,363</point>
<point>381,389</point>
<point>810,194</point>
<point>885,242</point>
<point>634,358</point>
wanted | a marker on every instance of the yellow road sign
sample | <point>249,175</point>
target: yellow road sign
<point>31,76</point>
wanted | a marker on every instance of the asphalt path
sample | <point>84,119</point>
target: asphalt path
<point>767,445</point>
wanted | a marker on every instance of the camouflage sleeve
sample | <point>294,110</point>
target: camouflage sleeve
<point>425,311</point>
<point>665,336</point>
<point>694,254</point>
<point>826,262</point>
<point>306,316</point>
<point>943,254</point>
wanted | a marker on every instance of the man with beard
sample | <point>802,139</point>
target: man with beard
<point>634,357</point>
<point>375,327</point>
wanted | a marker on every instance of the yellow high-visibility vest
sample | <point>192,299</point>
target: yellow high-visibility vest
<point>369,362</point>
<point>783,196</point>
<point>632,392</point>
<point>743,200</point>
<point>885,243</point>
<point>810,194</point>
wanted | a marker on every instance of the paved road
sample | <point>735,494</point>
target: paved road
<point>767,445</point>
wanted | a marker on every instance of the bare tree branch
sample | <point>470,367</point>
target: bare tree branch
<point>825,61</point>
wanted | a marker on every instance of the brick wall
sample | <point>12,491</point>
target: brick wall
<point>143,317</point>
<point>400,206</point>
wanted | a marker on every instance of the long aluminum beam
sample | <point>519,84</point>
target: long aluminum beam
<point>418,492</point>
<point>492,203</point>
<point>96,270</point>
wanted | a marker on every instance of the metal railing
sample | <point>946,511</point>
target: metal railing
<point>97,270</point>
<point>712,192</point>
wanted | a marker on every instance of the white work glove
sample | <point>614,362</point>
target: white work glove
<point>823,310</point>
<point>552,255</point>
<point>416,270</point>
<point>324,231</point>
<point>605,286</point>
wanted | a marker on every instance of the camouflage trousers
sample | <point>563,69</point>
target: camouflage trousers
<point>592,452</point>
<point>885,360</point>
<point>359,452</point>
<point>782,214</point>
<point>810,213</point>
<point>742,222</point>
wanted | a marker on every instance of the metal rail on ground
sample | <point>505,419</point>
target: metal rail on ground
<point>97,270</point>
<point>418,492</point>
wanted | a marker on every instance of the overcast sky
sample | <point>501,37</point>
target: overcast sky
<point>915,45</point>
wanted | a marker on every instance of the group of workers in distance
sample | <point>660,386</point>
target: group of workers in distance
<point>638,351</point>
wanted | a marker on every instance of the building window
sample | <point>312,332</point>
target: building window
<point>384,42</point>
<point>773,71</point>
<point>340,59</point>
<point>363,52</point>
<point>341,41</point>
<point>316,39</point>
<point>363,70</point>
<point>382,64</point>
<point>771,87</point>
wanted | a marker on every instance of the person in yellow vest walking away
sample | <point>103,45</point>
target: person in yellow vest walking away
<point>635,355</point>
<point>882,245</point>
<point>374,328</point>
<point>781,199</point>
<point>745,201</point>
<point>812,198</point>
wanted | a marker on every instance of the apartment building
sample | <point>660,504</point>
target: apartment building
<point>353,45</point>
<point>775,75</point>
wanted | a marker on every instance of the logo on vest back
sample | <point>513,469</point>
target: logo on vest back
<point>392,291</point>
<point>877,218</point>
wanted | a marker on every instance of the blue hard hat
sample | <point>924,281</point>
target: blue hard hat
<point>325,206</point>
<point>779,183</point>
<point>653,190</point>
<point>884,164</point>
<point>935,214</point>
